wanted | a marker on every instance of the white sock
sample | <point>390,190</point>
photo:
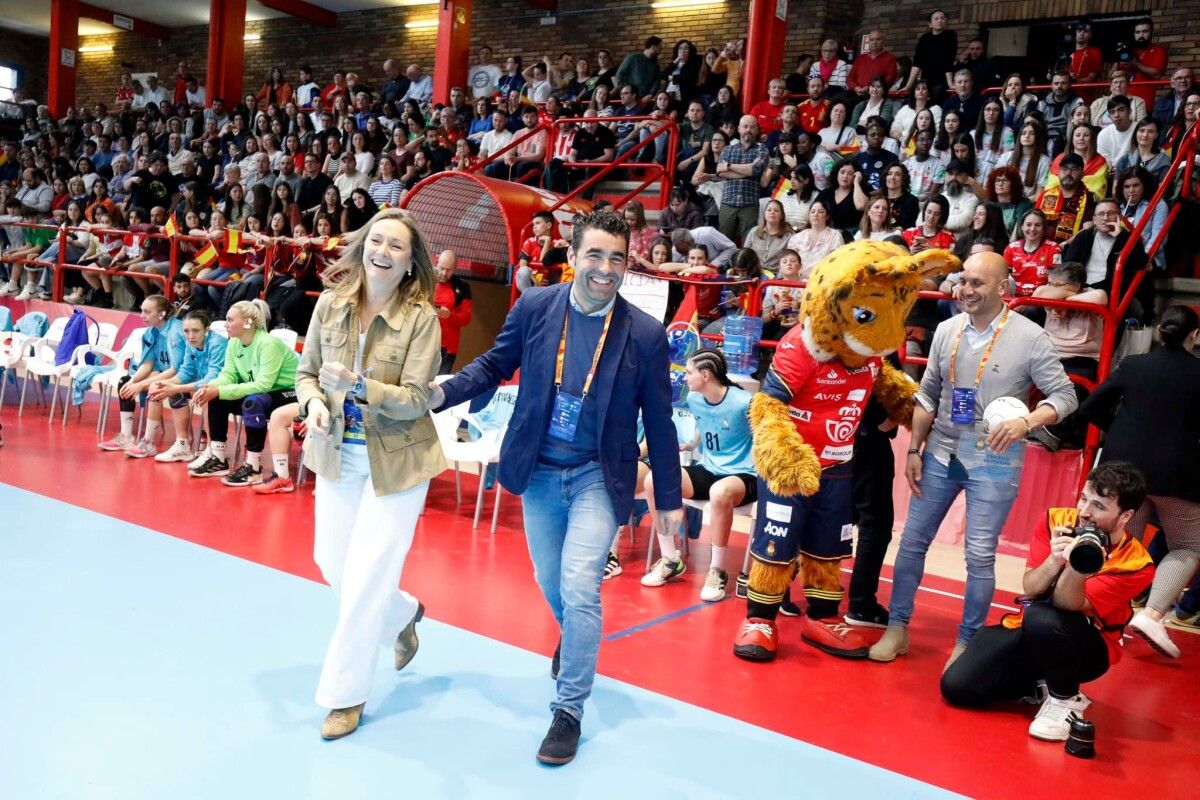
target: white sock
<point>127,423</point>
<point>152,429</point>
<point>217,449</point>
<point>667,545</point>
<point>280,463</point>
<point>254,460</point>
<point>718,557</point>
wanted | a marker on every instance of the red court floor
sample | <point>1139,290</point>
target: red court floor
<point>666,640</point>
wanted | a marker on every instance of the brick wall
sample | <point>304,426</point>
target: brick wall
<point>364,39</point>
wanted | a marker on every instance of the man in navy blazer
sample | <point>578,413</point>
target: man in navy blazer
<point>1166,106</point>
<point>589,363</point>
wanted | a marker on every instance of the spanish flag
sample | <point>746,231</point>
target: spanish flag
<point>782,187</point>
<point>207,255</point>
<point>332,242</point>
<point>171,229</point>
<point>234,241</point>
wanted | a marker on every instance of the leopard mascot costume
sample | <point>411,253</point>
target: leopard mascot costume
<point>805,418</point>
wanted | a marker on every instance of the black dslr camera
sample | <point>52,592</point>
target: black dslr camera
<point>1090,550</point>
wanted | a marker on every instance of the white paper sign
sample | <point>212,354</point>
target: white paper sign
<point>647,293</point>
<point>66,57</point>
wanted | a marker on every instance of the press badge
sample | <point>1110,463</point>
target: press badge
<point>564,419</point>
<point>962,406</point>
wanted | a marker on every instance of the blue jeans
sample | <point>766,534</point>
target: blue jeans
<point>570,525</point>
<point>988,504</point>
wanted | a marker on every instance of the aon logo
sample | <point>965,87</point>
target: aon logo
<point>772,529</point>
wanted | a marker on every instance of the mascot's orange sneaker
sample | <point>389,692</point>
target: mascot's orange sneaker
<point>757,640</point>
<point>835,637</point>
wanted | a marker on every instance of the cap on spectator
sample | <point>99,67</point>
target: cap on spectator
<point>956,165</point>
<point>1071,160</point>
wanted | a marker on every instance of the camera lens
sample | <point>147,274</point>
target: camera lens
<point>1081,740</point>
<point>1087,556</point>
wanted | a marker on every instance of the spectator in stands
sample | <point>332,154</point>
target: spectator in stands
<point>992,139</point>
<point>874,62</point>
<point>420,85</point>
<point>1144,151</point>
<point>529,154</point>
<point>35,192</point>
<point>203,358</point>
<point>1118,87</point>
<point>1116,138</point>
<point>1060,102</point>
<point>874,223</point>
<point>162,353</point>
<point>818,240</point>
<point>538,254</point>
<point>766,112</point>
<point>934,59</point>
<point>680,212</point>
<point>640,70</point>
<point>452,302</point>
<point>1020,360</point>
<point>628,134</point>
<point>1134,189</point>
<point>975,60</point>
<point>593,143</point>
<point>965,100</point>
<point>839,137</point>
<point>259,375</point>
<point>739,168</point>
<point>695,136</point>
<point>395,85</point>
<point>722,473</point>
<point>1169,105</point>
<point>1004,188</point>
<point>1098,248</point>
<point>730,62</point>
<point>907,120</point>
<point>1095,166</point>
<point>875,104</point>
<point>813,113</point>
<point>718,249</point>
<point>348,177</point>
<point>1071,633</point>
<point>873,160</point>
<point>1155,392</point>
<point>961,197</point>
<point>313,184</point>
<point>1149,61</point>
<point>1029,157</point>
<point>769,238</point>
<point>830,68</point>
<point>931,233</point>
<point>483,76</point>
<point>681,76</point>
<point>987,226</point>
<point>903,205</point>
<point>1086,61</point>
<point>511,80</point>
<point>845,200</point>
<point>781,161</point>
<point>927,173</point>
<point>1016,101</point>
<point>357,210</point>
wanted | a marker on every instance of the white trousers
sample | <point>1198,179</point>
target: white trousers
<point>361,543</point>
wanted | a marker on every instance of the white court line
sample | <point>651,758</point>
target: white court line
<point>1000,606</point>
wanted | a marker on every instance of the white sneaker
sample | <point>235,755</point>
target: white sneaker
<point>177,452</point>
<point>119,442</point>
<point>1153,633</point>
<point>28,292</point>
<point>714,585</point>
<point>663,570</point>
<point>1053,720</point>
<point>200,458</point>
<point>9,288</point>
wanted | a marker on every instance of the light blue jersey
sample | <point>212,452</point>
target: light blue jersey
<point>724,430</point>
<point>163,347</point>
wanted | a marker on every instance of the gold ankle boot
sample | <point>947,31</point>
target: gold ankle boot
<point>341,722</point>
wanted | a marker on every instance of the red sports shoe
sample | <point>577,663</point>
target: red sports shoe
<point>757,640</point>
<point>835,637</point>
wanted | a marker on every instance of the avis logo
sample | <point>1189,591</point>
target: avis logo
<point>839,430</point>
<point>828,397</point>
<point>771,529</point>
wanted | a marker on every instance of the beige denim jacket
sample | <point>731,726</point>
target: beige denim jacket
<point>402,353</point>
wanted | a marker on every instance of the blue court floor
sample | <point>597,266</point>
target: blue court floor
<point>137,665</point>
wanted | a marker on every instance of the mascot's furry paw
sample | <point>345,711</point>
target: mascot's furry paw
<point>895,392</point>
<point>783,460</point>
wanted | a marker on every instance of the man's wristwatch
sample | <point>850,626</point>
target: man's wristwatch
<point>914,451</point>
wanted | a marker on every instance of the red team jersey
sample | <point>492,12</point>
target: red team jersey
<point>1029,269</point>
<point>825,399</point>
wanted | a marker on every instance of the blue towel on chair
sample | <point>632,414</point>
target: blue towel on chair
<point>83,381</point>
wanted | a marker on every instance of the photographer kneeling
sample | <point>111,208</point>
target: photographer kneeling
<point>1083,571</point>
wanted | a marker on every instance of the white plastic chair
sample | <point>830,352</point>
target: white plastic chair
<point>285,335</point>
<point>11,351</point>
<point>219,327</point>
<point>37,356</point>
<point>106,383</point>
<point>483,451</point>
<point>106,337</point>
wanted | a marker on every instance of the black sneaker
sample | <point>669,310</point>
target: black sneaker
<point>245,475</point>
<point>876,617</point>
<point>788,608</point>
<point>212,468</point>
<point>612,567</point>
<point>555,660</point>
<point>562,740</point>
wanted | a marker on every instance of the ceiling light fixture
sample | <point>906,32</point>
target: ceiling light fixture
<point>663,5</point>
<point>96,48</point>
<point>422,23</point>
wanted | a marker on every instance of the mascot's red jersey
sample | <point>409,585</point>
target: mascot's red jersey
<point>825,399</point>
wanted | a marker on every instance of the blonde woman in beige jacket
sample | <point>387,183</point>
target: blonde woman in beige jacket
<point>372,348</point>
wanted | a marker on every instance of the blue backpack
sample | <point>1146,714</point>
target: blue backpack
<point>75,335</point>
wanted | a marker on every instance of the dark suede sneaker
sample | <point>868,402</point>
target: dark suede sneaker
<point>562,740</point>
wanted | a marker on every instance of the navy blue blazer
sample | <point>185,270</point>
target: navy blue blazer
<point>633,375</point>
